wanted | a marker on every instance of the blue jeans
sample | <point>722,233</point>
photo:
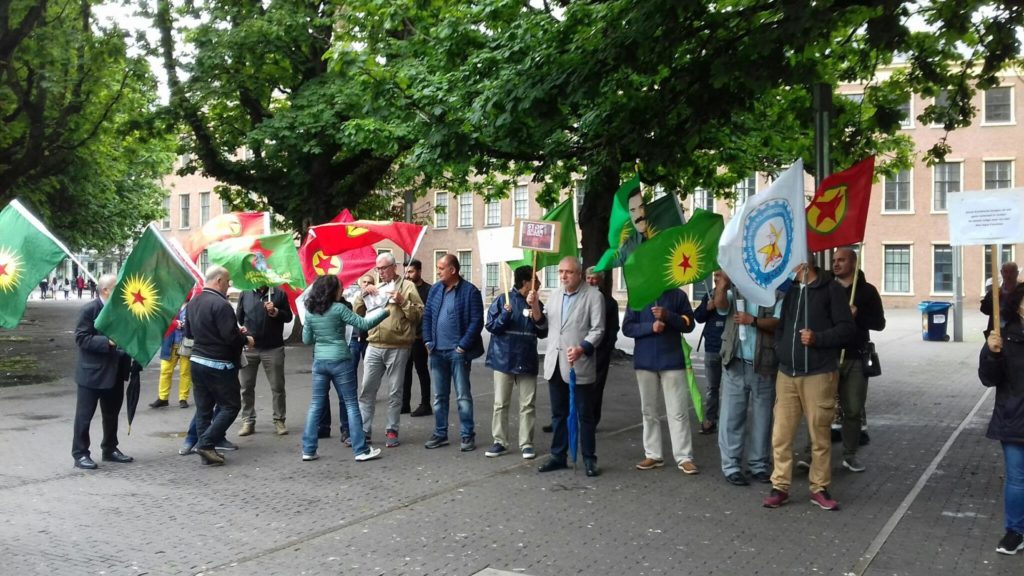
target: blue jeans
<point>1013,489</point>
<point>214,387</point>
<point>191,437</point>
<point>325,415</point>
<point>744,388</point>
<point>342,374</point>
<point>448,367</point>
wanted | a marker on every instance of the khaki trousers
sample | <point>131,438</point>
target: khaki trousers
<point>815,397</point>
<point>503,384</point>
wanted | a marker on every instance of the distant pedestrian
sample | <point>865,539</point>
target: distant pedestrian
<point>79,285</point>
<point>67,289</point>
<point>92,288</point>
<point>44,286</point>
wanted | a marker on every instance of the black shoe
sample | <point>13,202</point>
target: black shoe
<point>762,477</point>
<point>210,456</point>
<point>158,403</point>
<point>117,456</point>
<point>405,410</point>
<point>592,469</point>
<point>1011,543</point>
<point>551,465</point>
<point>182,403</point>
<point>737,479</point>
<point>708,427</point>
<point>547,428</point>
<point>321,434</point>
<point>85,463</point>
<point>422,410</point>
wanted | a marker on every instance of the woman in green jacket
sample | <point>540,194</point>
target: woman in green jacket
<point>325,328</point>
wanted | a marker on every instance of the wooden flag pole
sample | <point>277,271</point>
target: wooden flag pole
<point>504,283</point>
<point>996,288</point>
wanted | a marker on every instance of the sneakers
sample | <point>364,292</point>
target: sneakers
<point>187,448</point>
<point>649,464</point>
<point>310,457</point>
<point>529,453</point>
<point>468,444</point>
<point>852,464</point>
<point>824,500</point>
<point>435,442</point>
<point>422,410</point>
<point>279,428</point>
<point>182,403</point>
<point>371,454</point>
<point>247,429</point>
<point>688,467</point>
<point>1011,543</point>
<point>775,498</point>
<point>158,403</point>
<point>496,450</point>
<point>226,445</point>
<point>391,439</point>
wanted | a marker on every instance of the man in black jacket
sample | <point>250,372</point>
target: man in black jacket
<point>100,374</point>
<point>815,324</point>
<point>607,345</point>
<point>216,355</point>
<point>263,312</point>
<point>853,385</point>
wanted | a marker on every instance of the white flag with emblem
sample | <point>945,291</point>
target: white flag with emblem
<point>767,238</point>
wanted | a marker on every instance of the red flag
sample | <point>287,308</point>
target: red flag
<point>225,226</point>
<point>838,212</point>
<point>336,238</point>
<point>348,265</point>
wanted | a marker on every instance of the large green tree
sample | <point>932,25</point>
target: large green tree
<point>77,137</point>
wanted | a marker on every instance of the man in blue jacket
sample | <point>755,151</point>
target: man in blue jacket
<point>515,325</point>
<point>658,359</point>
<point>453,318</point>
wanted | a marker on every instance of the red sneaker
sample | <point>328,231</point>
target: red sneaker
<point>824,500</point>
<point>775,499</point>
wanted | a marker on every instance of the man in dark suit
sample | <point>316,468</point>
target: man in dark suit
<point>100,374</point>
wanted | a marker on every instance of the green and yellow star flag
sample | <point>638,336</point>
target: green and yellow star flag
<point>676,257</point>
<point>567,243</point>
<point>254,261</point>
<point>27,254</point>
<point>150,289</point>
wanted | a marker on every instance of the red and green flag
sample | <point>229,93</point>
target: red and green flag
<point>229,225</point>
<point>254,261</point>
<point>27,254</point>
<point>348,266</point>
<point>150,289</point>
<point>567,243</point>
<point>675,257</point>
<point>623,235</point>
<point>838,213</point>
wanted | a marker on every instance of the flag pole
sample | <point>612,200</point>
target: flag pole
<point>996,288</point>
<point>504,283</point>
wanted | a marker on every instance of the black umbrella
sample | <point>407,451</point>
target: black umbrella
<point>131,394</point>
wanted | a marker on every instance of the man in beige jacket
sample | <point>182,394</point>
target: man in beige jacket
<point>389,343</point>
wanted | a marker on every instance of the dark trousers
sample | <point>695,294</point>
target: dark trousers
<point>713,376</point>
<point>419,358</point>
<point>604,359</point>
<point>213,387</point>
<point>585,397</point>
<point>110,401</point>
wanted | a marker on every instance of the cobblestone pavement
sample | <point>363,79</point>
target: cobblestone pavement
<point>930,502</point>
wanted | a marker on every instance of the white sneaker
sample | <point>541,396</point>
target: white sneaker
<point>373,454</point>
<point>310,457</point>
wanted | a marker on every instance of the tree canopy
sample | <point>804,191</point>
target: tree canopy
<point>78,141</point>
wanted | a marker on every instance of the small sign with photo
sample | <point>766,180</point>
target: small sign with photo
<point>537,235</point>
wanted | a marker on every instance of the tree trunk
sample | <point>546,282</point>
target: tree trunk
<point>600,186</point>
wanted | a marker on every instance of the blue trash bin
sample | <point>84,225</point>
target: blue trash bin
<point>934,319</point>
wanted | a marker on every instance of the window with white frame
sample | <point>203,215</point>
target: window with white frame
<point>1005,255</point>
<point>896,269</point>
<point>551,277</point>
<point>998,174</point>
<point>204,260</point>
<point>225,207</point>
<point>622,280</point>
<point>438,254</point>
<point>521,201</point>
<point>440,210</point>
<point>947,180</point>
<point>465,210</point>
<point>492,213</point>
<point>942,269</point>
<point>897,192</point>
<point>907,110</point>
<point>204,208</point>
<point>165,222</point>
<point>491,279</point>
<point>703,199</point>
<point>999,105</point>
<point>580,195</point>
<point>744,190</point>
<point>184,210</point>
<point>466,264</point>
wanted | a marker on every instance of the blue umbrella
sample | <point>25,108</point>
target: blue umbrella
<point>573,423</point>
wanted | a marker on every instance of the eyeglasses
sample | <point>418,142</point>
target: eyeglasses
<point>384,268</point>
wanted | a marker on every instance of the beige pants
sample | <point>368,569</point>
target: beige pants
<point>815,397</point>
<point>503,384</point>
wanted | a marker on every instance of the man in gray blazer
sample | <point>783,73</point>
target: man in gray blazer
<point>576,325</point>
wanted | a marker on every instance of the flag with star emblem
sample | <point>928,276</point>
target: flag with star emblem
<point>767,238</point>
<point>348,266</point>
<point>254,261</point>
<point>675,257</point>
<point>838,213</point>
<point>150,289</point>
<point>27,254</point>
